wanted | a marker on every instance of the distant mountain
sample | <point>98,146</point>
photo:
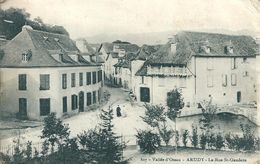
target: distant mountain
<point>156,37</point>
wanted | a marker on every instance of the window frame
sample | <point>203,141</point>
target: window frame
<point>64,81</point>
<point>44,82</point>
<point>22,82</point>
<point>73,80</point>
<point>89,78</point>
<point>80,79</point>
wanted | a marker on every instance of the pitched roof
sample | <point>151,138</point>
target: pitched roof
<point>146,51</point>
<point>108,47</point>
<point>44,46</point>
<point>189,44</point>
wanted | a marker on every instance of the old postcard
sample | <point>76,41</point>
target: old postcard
<point>120,81</point>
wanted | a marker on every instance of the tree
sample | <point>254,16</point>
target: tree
<point>155,116</point>
<point>148,141</point>
<point>101,144</point>
<point>194,137</point>
<point>185,136</point>
<point>208,113</point>
<point>54,131</point>
<point>175,104</point>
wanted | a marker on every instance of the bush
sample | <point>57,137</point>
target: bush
<point>219,142</point>
<point>185,135</point>
<point>194,137</point>
<point>166,134</point>
<point>148,142</point>
<point>211,140</point>
<point>203,140</point>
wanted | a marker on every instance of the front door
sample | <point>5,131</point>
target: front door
<point>81,101</point>
<point>145,94</point>
<point>23,108</point>
<point>239,96</point>
<point>64,104</point>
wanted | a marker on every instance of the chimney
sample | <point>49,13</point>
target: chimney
<point>173,42</point>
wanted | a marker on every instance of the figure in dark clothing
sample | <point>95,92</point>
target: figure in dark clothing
<point>118,111</point>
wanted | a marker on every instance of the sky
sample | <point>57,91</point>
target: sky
<point>84,18</point>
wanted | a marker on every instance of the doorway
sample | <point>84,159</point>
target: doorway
<point>239,96</point>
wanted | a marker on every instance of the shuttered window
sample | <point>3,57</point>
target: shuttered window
<point>88,78</point>
<point>80,79</point>
<point>233,63</point>
<point>94,97</point>
<point>22,82</point>
<point>73,80</point>
<point>64,81</point>
<point>44,107</point>
<point>44,82</point>
<point>94,76</point>
<point>99,75</point>
<point>74,102</point>
<point>88,98</point>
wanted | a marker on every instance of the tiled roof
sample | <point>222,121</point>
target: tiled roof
<point>127,47</point>
<point>43,46</point>
<point>189,44</point>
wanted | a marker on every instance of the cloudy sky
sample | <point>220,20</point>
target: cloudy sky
<point>92,17</point>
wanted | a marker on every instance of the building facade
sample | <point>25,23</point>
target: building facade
<point>42,72</point>
<point>204,66</point>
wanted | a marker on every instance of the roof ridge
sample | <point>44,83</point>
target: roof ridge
<point>47,32</point>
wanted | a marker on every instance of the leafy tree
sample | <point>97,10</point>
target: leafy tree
<point>101,144</point>
<point>185,135</point>
<point>194,137</point>
<point>54,131</point>
<point>13,19</point>
<point>148,141</point>
<point>208,113</point>
<point>175,104</point>
<point>166,134</point>
<point>155,116</point>
<point>211,141</point>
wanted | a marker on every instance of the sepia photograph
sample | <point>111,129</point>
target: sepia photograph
<point>130,82</point>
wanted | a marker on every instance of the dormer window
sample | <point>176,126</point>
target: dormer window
<point>205,47</point>
<point>229,48</point>
<point>57,39</point>
<point>45,38</point>
<point>27,56</point>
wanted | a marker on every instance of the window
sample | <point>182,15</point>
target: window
<point>22,107</point>
<point>210,81</point>
<point>80,79</point>
<point>209,64</point>
<point>145,94</point>
<point>94,97</point>
<point>99,95</point>
<point>224,80</point>
<point>94,76</point>
<point>73,80</point>
<point>74,102</point>
<point>233,79</point>
<point>64,81</point>
<point>88,78</point>
<point>142,80</point>
<point>44,82</point>
<point>88,98</point>
<point>244,60</point>
<point>99,75</point>
<point>64,104</point>
<point>44,107</point>
<point>22,82</point>
<point>233,63</point>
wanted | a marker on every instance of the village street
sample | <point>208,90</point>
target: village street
<point>87,120</point>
